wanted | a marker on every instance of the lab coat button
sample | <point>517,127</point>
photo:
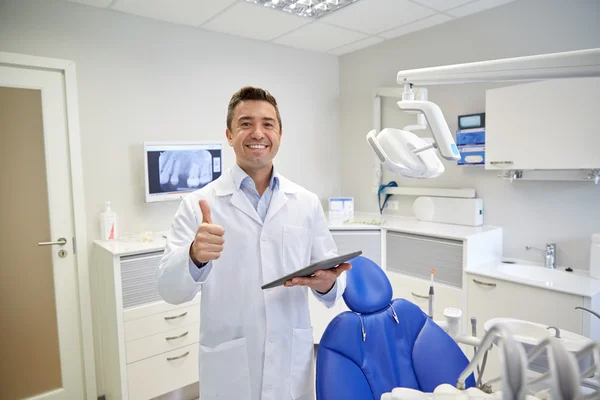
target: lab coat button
<point>271,339</point>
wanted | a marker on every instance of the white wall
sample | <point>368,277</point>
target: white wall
<point>142,79</point>
<point>532,213</point>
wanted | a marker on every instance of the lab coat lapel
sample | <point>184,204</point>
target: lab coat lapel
<point>280,197</point>
<point>239,200</point>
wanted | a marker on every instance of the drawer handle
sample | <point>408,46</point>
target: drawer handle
<point>419,296</point>
<point>177,316</point>
<point>484,283</point>
<point>178,357</point>
<point>500,162</point>
<point>177,337</point>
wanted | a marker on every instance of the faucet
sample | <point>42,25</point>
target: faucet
<point>549,254</point>
<point>588,310</point>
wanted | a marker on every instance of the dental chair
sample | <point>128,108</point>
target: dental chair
<point>382,343</point>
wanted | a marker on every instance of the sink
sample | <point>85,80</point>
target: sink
<point>549,277</point>
<point>529,334</point>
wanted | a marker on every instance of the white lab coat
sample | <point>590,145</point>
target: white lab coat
<point>254,344</point>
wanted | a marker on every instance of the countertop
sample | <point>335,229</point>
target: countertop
<point>360,222</point>
<point>408,225</point>
<point>577,282</point>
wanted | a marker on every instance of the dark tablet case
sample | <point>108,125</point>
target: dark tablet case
<point>311,269</point>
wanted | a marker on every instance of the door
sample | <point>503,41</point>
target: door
<point>40,342</point>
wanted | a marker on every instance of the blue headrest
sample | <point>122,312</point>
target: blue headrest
<point>367,289</point>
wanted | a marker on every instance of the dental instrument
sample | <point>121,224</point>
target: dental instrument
<point>431,294</point>
<point>404,153</point>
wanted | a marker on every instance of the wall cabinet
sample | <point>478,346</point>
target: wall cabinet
<point>547,125</point>
<point>489,298</point>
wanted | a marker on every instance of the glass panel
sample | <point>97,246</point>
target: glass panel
<point>29,350</point>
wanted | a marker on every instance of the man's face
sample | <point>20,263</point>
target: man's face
<point>255,134</point>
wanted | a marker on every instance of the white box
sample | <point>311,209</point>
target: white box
<point>449,210</point>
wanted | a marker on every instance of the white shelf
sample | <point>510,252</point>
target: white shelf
<point>466,193</point>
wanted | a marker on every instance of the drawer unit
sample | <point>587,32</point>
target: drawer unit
<point>162,342</point>
<point>161,322</point>
<point>162,373</point>
<point>144,346</point>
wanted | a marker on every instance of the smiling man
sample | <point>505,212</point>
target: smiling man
<point>249,227</point>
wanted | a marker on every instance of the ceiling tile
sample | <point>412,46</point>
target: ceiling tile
<point>93,3</point>
<point>374,16</point>
<point>255,22</point>
<point>476,6</point>
<point>442,5</point>
<point>319,37</point>
<point>361,44</point>
<point>186,12</point>
<point>416,26</point>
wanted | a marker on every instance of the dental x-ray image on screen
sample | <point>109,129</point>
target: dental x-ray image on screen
<point>174,169</point>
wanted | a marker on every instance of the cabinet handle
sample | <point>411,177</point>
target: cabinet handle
<point>419,296</point>
<point>177,337</point>
<point>178,357</point>
<point>177,316</point>
<point>484,283</point>
<point>500,162</point>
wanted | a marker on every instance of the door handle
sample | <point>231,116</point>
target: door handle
<point>59,242</point>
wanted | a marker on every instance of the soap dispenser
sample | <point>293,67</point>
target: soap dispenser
<point>108,223</point>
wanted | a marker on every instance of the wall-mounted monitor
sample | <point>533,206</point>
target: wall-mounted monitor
<point>173,169</point>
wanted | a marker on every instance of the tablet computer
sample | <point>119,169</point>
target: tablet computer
<point>312,268</point>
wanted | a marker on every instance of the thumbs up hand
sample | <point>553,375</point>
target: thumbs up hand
<point>208,243</point>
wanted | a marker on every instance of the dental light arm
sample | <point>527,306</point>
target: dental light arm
<point>571,64</point>
<point>402,152</point>
<point>444,141</point>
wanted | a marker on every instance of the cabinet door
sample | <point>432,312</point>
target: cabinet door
<point>489,298</point>
<point>416,256</point>
<point>138,279</point>
<point>543,125</point>
<point>416,291</point>
<point>369,242</point>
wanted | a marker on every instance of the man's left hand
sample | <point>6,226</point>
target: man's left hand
<point>322,281</point>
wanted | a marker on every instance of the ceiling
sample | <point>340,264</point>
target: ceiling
<point>356,26</point>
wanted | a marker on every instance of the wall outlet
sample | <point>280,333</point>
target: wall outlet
<point>392,205</point>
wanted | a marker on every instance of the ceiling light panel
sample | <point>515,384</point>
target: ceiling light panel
<point>305,8</point>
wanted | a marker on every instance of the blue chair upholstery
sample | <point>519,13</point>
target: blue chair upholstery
<point>382,343</point>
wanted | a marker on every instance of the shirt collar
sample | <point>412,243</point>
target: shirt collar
<point>239,176</point>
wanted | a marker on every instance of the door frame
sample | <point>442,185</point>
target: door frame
<point>67,69</point>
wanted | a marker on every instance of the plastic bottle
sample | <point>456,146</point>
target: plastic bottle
<point>108,223</point>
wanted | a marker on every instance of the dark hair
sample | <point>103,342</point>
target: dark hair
<point>250,93</point>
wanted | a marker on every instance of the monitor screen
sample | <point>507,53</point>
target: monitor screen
<point>174,169</point>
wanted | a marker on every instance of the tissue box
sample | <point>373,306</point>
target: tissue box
<point>471,155</point>
<point>467,137</point>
